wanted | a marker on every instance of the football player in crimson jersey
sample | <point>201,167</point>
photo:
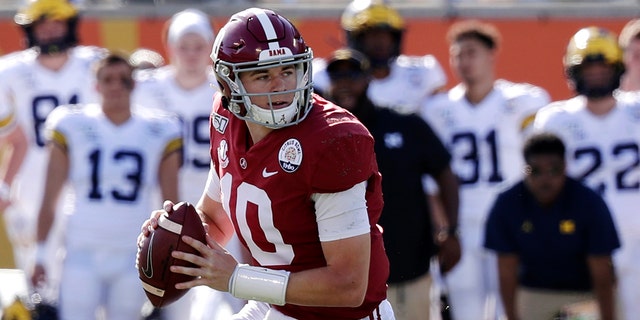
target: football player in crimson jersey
<point>113,158</point>
<point>483,121</point>
<point>296,177</point>
<point>601,130</point>
<point>184,87</point>
<point>376,29</point>
<point>52,71</point>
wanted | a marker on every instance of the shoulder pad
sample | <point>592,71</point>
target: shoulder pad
<point>416,61</point>
<point>15,58</point>
<point>523,93</point>
<point>90,52</point>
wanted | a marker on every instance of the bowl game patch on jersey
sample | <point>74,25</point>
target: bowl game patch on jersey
<point>290,155</point>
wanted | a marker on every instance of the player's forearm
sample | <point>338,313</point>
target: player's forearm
<point>508,295</point>
<point>605,303</point>
<point>168,176</point>
<point>46,219</point>
<point>336,285</point>
<point>507,266</point>
<point>218,233</point>
<point>448,185</point>
<point>47,212</point>
<point>604,296</point>
<point>603,280</point>
<point>212,213</point>
<point>57,173</point>
<point>326,287</point>
<point>342,283</point>
<point>18,142</point>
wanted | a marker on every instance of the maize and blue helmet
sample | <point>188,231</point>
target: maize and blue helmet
<point>37,10</point>
<point>593,44</point>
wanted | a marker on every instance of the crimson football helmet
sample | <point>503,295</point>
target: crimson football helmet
<point>593,44</point>
<point>36,10</point>
<point>259,39</point>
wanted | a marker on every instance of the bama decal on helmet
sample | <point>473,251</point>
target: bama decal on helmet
<point>272,37</point>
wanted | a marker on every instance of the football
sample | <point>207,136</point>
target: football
<point>154,257</point>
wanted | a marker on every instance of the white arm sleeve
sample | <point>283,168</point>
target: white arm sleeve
<point>213,184</point>
<point>343,214</point>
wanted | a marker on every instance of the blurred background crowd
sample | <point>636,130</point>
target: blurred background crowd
<point>534,32</point>
<point>530,39</point>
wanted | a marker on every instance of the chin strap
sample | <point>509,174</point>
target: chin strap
<point>225,102</point>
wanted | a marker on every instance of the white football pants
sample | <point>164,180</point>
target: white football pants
<point>256,310</point>
<point>472,284</point>
<point>96,278</point>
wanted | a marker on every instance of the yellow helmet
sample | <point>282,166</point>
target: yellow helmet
<point>364,14</point>
<point>60,10</point>
<point>52,9</point>
<point>593,44</point>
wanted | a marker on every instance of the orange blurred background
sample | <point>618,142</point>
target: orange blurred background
<point>532,47</point>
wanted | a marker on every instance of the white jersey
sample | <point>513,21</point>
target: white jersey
<point>602,151</point>
<point>32,91</point>
<point>158,89</point>
<point>411,80</point>
<point>485,140</point>
<point>113,169</point>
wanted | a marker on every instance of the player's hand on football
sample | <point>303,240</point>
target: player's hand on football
<point>152,223</point>
<point>215,265</point>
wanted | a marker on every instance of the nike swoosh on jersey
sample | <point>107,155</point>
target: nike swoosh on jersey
<point>148,270</point>
<point>267,174</point>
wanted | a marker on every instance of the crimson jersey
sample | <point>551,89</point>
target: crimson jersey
<point>267,189</point>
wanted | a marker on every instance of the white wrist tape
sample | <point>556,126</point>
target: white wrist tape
<point>261,284</point>
<point>41,252</point>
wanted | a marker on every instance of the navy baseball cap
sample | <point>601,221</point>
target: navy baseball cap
<point>358,60</point>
